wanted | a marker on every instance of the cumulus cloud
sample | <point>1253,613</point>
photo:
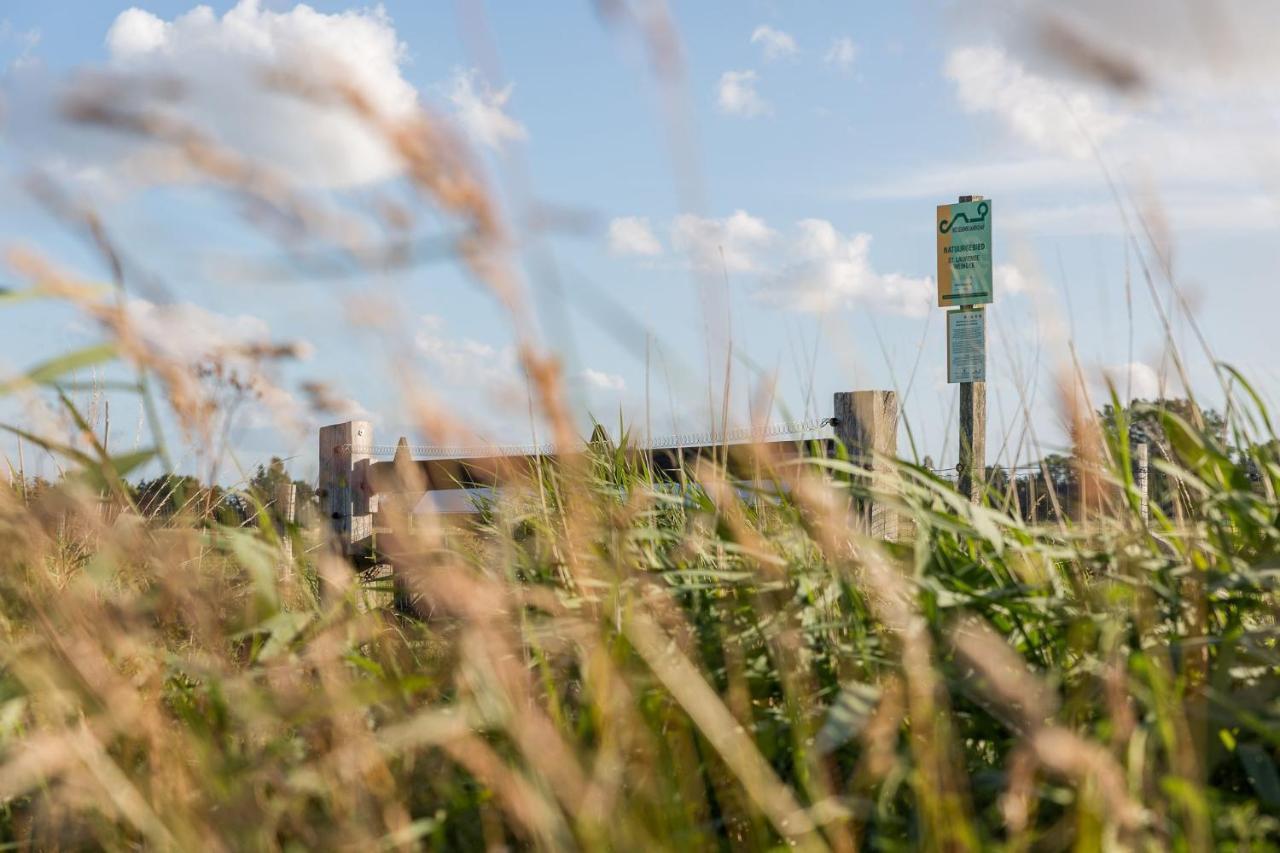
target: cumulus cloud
<point>734,241</point>
<point>632,235</point>
<point>1170,44</point>
<point>464,361</point>
<point>1066,73</point>
<point>811,267</point>
<point>239,346</point>
<point>221,65</point>
<point>24,42</point>
<point>1056,117</point>
<point>841,54</point>
<point>826,269</point>
<point>736,95</point>
<point>603,381</point>
<point>775,43</point>
<point>190,334</point>
<point>467,366</point>
<point>1010,280</point>
<point>1139,379</point>
<point>136,32</point>
<point>481,111</point>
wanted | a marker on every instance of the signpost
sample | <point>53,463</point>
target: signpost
<point>965,284</point>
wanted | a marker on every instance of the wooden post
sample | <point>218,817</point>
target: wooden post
<point>1031,497</point>
<point>973,439</point>
<point>866,423</point>
<point>1142,462</point>
<point>973,430</point>
<point>346,497</point>
<point>286,507</point>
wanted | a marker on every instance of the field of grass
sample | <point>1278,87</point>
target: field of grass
<point>599,662</point>
<point>602,661</point>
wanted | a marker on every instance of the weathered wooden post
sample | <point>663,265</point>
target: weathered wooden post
<point>1032,501</point>
<point>1142,462</point>
<point>866,423</point>
<point>345,492</point>
<point>286,500</point>
<point>973,439</point>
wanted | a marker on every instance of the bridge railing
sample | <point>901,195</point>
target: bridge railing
<point>355,477</point>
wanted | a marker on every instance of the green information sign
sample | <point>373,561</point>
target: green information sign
<point>967,345</point>
<point>964,253</point>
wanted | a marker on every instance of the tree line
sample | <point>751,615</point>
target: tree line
<point>169,497</point>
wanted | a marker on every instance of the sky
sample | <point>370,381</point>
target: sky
<point>686,187</point>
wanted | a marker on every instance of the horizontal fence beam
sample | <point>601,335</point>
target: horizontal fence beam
<point>785,430</point>
<point>353,482</point>
<point>489,471</point>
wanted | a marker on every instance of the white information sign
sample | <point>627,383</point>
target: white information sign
<point>966,345</point>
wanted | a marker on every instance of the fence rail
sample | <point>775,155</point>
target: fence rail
<point>816,428</point>
<point>354,472</point>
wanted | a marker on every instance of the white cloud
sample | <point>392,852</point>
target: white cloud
<point>1186,211</point>
<point>25,41</point>
<point>190,334</point>
<point>990,179</point>
<point>632,235</point>
<point>775,43</point>
<point>236,350</point>
<point>734,241</point>
<point>1173,45</point>
<point>1138,379</point>
<point>826,269</point>
<point>736,95</point>
<point>221,67</point>
<point>485,381</point>
<point>603,381</point>
<point>481,110</point>
<point>1200,127</point>
<point>464,361</point>
<point>811,268</point>
<point>135,32</point>
<point>842,53</point>
<point>1010,280</point>
<point>1055,117</point>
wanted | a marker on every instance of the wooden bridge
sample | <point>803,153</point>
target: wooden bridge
<point>354,483</point>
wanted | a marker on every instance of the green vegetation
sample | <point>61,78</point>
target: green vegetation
<point>602,660</point>
<point>603,663</point>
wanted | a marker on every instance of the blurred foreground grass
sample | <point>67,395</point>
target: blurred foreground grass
<point>600,662</point>
<point>603,661</point>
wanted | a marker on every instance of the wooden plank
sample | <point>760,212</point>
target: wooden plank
<point>490,471</point>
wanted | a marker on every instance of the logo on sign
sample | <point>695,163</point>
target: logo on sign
<point>946,225</point>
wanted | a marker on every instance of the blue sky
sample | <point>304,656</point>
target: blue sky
<point>779,194</point>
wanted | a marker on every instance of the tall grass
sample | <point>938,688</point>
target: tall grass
<point>603,660</point>
<point>608,663</point>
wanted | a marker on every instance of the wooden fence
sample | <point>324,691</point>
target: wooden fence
<point>354,482</point>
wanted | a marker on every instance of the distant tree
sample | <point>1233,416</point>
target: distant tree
<point>167,495</point>
<point>1061,470</point>
<point>1051,486</point>
<point>268,478</point>
<point>171,495</point>
<point>997,481</point>
<point>32,489</point>
<point>1145,421</point>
